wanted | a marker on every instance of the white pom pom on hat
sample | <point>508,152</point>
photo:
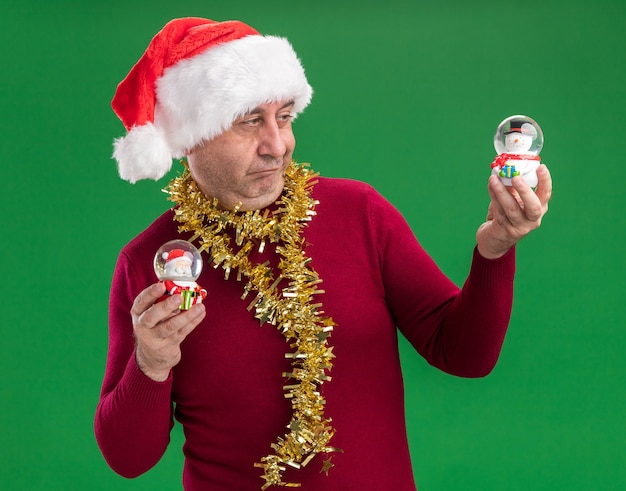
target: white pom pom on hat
<point>195,78</point>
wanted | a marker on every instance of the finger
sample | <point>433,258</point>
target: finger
<point>544,187</point>
<point>160,312</point>
<point>531,204</point>
<point>177,328</point>
<point>519,208</point>
<point>146,298</point>
<point>505,203</point>
<point>491,213</point>
<point>495,211</point>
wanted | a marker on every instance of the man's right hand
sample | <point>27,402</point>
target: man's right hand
<point>159,330</point>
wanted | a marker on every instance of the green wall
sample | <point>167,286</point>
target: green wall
<point>407,97</point>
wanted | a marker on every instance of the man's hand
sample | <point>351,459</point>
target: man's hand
<point>159,330</point>
<point>513,213</point>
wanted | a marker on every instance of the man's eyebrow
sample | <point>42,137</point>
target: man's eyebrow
<point>258,110</point>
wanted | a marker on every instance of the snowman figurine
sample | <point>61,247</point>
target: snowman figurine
<point>178,264</point>
<point>518,141</point>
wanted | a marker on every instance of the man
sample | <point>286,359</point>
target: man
<point>289,370</point>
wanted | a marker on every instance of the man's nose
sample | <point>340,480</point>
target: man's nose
<point>271,140</point>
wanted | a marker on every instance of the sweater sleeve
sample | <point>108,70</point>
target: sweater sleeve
<point>460,331</point>
<point>134,416</point>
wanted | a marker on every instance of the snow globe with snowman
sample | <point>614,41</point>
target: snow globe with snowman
<point>518,141</point>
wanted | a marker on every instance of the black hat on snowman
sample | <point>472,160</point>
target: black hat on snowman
<point>523,127</point>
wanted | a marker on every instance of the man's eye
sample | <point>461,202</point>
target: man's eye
<point>251,122</point>
<point>284,118</point>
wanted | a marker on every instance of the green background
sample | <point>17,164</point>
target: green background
<point>407,97</point>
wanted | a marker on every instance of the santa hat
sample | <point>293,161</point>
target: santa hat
<point>195,78</point>
<point>177,254</point>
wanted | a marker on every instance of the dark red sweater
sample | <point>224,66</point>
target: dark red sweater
<point>227,389</point>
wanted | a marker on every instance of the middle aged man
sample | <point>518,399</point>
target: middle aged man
<point>289,370</point>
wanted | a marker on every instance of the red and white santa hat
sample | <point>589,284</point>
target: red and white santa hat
<point>195,78</point>
<point>177,254</point>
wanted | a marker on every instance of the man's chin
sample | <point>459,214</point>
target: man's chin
<point>263,198</point>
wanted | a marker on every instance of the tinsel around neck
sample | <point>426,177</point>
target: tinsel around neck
<point>284,298</point>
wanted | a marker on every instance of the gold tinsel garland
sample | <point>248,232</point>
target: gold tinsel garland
<point>292,308</point>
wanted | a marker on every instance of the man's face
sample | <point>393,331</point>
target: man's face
<point>247,162</point>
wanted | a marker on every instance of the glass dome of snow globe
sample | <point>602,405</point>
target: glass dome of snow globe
<point>177,260</point>
<point>518,135</point>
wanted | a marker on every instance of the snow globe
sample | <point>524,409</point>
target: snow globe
<point>178,265</point>
<point>518,141</point>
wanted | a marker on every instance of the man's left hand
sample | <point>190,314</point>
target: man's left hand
<point>513,213</point>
